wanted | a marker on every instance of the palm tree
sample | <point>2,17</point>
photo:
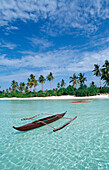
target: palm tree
<point>10,89</point>
<point>74,79</point>
<point>7,91</point>
<point>32,81</point>
<point>42,80</point>
<point>97,72</point>
<point>14,85</point>
<point>26,89</point>
<point>35,83</point>
<point>49,78</point>
<point>58,85</point>
<point>92,84</point>
<point>3,92</point>
<point>63,83</point>
<point>22,87</point>
<point>82,79</point>
<point>105,72</point>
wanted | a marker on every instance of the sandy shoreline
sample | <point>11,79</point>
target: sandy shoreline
<point>66,97</point>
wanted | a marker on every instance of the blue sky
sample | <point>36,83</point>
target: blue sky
<point>58,36</point>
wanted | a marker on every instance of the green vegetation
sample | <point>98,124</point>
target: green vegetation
<point>50,78</point>
<point>42,80</point>
<point>97,72</point>
<point>74,79</point>
<point>23,90</point>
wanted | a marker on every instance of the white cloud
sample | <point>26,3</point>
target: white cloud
<point>18,76</point>
<point>61,61</point>
<point>8,45</point>
<point>41,43</point>
<point>11,28</point>
<point>87,61</point>
<point>85,15</point>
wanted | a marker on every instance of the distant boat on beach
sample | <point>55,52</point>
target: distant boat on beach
<point>82,101</point>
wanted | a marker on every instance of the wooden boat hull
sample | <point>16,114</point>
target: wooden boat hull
<point>38,123</point>
<point>82,101</point>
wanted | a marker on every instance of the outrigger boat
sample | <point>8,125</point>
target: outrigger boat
<point>43,121</point>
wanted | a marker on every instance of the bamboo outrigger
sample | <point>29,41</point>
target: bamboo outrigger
<point>44,121</point>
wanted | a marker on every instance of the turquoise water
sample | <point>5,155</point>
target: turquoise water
<point>83,144</point>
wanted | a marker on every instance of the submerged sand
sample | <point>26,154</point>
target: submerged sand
<point>66,97</point>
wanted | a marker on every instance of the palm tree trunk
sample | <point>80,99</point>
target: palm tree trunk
<point>50,85</point>
<point>42,86</point>
<point>53,84</point>
<point>100,83</point>
<point>35,89</point>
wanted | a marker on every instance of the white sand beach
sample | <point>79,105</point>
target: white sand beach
<point>64,97</point>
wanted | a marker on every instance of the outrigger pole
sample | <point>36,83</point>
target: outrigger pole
<point>54,129</point>
<point>33,116</point>
<point>43,123</point>
<point>65,124</point>
<point>43,114</point>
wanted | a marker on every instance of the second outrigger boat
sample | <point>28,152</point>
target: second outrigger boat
<point>43,121</point>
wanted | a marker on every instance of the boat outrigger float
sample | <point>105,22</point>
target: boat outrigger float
<point>44,121</point>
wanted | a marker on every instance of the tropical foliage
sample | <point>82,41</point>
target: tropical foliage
<point>22,87</point>
<point>14,85</point>
<point>58,85</point>
<point>74,80</point>
<point>102,73</point>
<point>105,72</point>
<point>29,89</point>
<point>81,78</point>
<point>62,83</point>
<point>50,78</point>
<point>42,80</point>
<point>32,82</point>
<point>97,72</point>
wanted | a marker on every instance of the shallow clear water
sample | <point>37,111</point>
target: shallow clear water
<point>83,144</point>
